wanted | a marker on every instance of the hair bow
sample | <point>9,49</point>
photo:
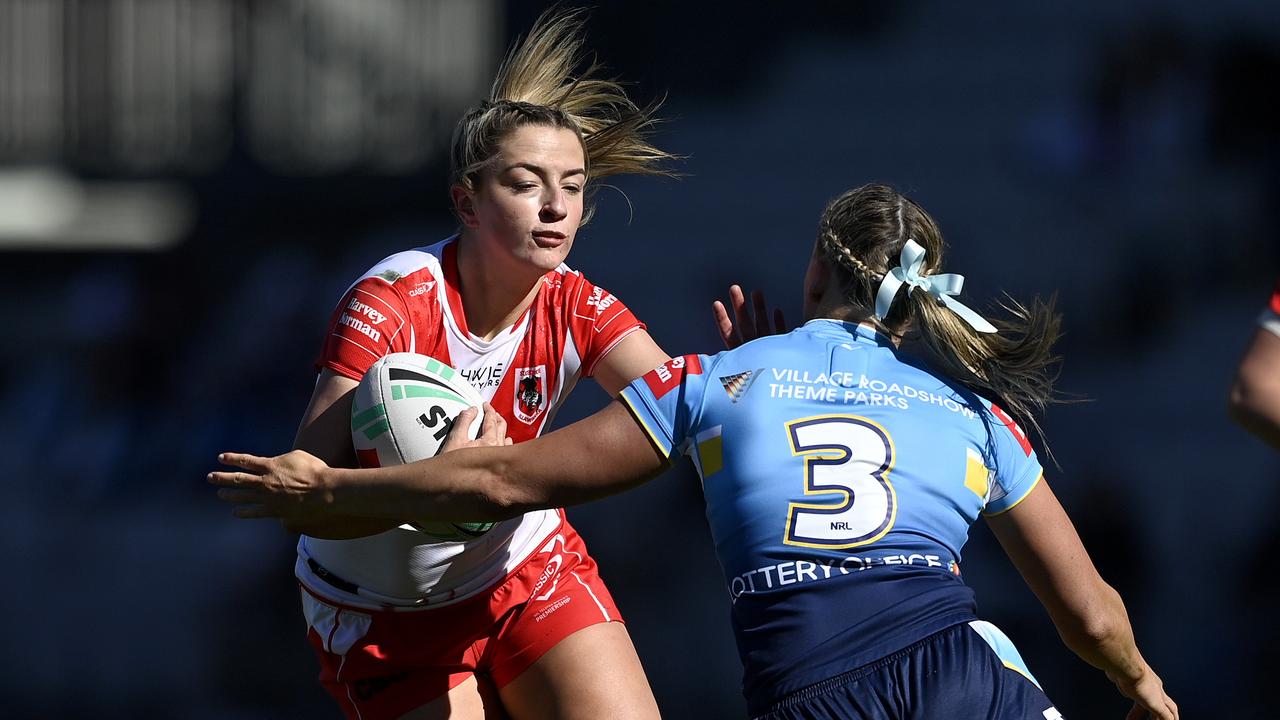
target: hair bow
<point>941,286</point>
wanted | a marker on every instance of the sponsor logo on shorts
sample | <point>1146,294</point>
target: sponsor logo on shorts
<point>551,573</point>
<point>559,603</point>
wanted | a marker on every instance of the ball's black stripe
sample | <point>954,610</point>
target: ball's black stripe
<point>402,374</point>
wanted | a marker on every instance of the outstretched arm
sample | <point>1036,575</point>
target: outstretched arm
<point>1089,614</point>
<point>1255,395</point>
<point>325,431</point>
<point>599,456</point>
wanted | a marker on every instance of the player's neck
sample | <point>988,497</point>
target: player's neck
<point>491,301</point>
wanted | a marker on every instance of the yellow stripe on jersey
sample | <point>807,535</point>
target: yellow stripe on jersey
<point>976,474</point>
<point>662,447</point>
<point>710,451</point>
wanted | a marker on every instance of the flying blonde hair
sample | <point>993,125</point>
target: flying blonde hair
<point>536,85</point>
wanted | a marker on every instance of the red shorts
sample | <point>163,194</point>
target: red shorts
<point>384,664</point>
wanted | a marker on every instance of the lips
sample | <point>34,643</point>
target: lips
<point>549,238</point>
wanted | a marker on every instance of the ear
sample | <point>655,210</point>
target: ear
<point>464,204</point>
<point>817,279</point>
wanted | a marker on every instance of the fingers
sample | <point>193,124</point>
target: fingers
<point>723,324</point>
<point>739,304</point>
<point>244,460</point>
<point>494,428</point>
<point>233,479</point>
<point>761,313</point>
<point>779,322</point>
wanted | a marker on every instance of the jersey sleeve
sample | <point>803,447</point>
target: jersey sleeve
<point>1017,469</point>
<point>599,322</point>
<point>370,322</point>
<point>666,402</point>
<point>1270,317</point>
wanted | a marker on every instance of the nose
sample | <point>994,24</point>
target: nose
<point>555,206</point>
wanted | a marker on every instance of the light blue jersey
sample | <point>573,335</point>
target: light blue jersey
<point>841,477</point>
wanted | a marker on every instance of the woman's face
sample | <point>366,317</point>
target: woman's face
<point>528,203</point>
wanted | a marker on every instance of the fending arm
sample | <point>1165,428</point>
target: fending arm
<point>1090,617</point>
<point>601,455</point>
<point>604,454</point>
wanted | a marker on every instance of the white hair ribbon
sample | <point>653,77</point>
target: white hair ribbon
<point>941,287</point>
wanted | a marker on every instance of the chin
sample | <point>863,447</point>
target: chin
<point>547,259</point>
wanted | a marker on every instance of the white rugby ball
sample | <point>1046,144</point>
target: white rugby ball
<point>403,409</point>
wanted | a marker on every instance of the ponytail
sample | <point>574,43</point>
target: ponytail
<point>863,232</point>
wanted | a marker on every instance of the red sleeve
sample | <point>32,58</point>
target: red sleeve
<point>371,321</point>
<point>599,322</point>
<point>1275,299</point>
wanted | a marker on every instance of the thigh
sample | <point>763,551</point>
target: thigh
<point>593,673</point>
<point>564,652</point>
<point>472,700</point>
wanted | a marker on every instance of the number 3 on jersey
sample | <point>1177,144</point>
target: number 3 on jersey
<point>850,457</point>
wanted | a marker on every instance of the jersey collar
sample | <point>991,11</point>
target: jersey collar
<point>860,332</point>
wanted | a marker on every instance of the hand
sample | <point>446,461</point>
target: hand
<point>290,486</point>
<point>493,430</point>
<point>1150,699</point>
<point>749,328</point>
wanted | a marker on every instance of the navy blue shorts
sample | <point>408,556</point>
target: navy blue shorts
<point>969,671</point>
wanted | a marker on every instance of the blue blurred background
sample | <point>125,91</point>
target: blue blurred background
<point>187,186</point>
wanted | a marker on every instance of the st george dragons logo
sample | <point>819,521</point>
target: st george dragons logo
<point>530,396</point>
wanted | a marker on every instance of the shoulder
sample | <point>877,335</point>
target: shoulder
<point>407,265</point>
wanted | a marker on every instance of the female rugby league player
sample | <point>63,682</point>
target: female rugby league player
<point>407,624</point>
<point>841,476</point>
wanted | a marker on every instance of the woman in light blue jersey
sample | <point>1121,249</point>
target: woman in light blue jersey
<point>841,477</point>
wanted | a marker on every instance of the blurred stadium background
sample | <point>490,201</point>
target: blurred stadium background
<point>187,186</point>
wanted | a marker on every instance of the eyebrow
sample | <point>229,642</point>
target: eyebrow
<point>539,170</point>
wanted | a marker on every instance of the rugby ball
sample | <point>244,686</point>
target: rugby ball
<point>403,409</point>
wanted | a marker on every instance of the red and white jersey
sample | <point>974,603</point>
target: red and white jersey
<point>1270,318</point>
<point>409,302</point>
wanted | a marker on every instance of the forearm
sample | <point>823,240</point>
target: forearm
<point>602,455</point>
<point>1097,629</point>
<point>477,484</point>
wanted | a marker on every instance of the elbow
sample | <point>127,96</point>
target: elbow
<point>1100,623</point>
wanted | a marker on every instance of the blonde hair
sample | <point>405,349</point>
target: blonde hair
<point>536,85</point>
<point>862,233</point>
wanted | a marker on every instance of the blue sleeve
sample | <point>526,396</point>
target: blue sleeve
<point>666,401</point>
<point>1017,469</point>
